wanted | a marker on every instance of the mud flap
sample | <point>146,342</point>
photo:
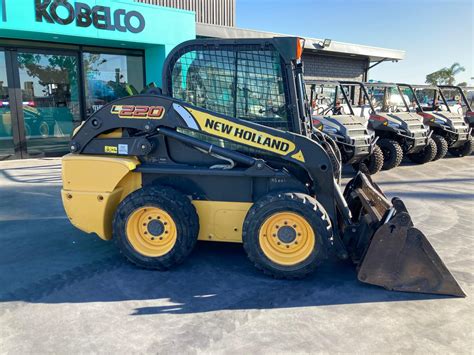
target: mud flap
<point>398,256</point>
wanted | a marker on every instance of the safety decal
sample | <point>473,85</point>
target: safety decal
<point>123,149</point>
<point>110,149</point>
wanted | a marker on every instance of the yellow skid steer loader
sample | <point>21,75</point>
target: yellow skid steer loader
<point>227,153</point>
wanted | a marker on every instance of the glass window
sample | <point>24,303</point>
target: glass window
<point>50,100</point>
<point>244,84</point>
<point>109,77</point>
<point>429,99</point>
<point>329,100</point>
<point>388,99</point>
<point>6,137</point>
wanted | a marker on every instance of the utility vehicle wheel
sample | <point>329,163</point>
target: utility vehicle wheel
<point>43,129</point>
<point>464,150</point>
<point>156,227</point>
<point>426,154</point>
<point>285,234</point>
<point>373,163</point>
<point>441,146</point>
<point>392,153</point>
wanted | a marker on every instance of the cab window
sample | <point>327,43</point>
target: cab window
<point>246,84</point>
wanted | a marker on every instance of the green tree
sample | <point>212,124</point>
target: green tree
<point>445,76</point>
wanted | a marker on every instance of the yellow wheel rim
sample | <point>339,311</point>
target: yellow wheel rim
<point>151,231</point>
<point>287,238</point>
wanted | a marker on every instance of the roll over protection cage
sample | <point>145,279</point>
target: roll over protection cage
<point>286,47</point>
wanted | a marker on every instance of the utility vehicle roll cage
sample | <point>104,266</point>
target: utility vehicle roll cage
<point>436,92</point>
<point>386,86</point>
<point>336,84</point>
<point>460,90</point>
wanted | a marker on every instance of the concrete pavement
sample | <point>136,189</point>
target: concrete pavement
<point>63,291</point>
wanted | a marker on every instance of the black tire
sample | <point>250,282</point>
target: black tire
<point>177,206</point>
<point>373,163</point>
<point>464,150</point>
<point>425,155</point>
<point>392,153</point>
<point>301,205</point>
<point>441,146</point>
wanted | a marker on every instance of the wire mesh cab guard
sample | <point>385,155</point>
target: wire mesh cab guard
<point>246,78</point>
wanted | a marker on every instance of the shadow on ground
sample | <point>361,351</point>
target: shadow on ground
<point>216,277</point>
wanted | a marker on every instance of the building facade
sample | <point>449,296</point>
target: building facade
<point>213,12</point>
<point>60,61</point>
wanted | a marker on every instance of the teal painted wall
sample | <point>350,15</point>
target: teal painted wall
<point>164,27</point>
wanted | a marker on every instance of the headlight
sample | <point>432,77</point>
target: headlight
<point>330,130</point>
<point>440,121</point>
<point>393,124</point>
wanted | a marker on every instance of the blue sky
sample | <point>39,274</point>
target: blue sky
<point>434,33</point>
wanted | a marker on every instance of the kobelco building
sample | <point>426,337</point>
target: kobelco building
<point>61,60</point>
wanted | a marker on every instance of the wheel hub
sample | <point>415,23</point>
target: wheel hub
<point>155,228</point>
<point>286,234</point>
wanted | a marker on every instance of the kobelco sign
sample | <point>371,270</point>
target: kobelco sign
<point>63,12</point>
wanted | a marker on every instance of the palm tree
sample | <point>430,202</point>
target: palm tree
<point>452,71</point>
<point>445,76</point>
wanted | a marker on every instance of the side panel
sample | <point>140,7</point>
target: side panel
<point>93,186</point>
<point>221,221</point>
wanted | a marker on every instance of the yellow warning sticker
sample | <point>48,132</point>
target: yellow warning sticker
<point>110,149</point>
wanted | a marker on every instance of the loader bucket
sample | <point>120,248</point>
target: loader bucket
<point>398,256</point>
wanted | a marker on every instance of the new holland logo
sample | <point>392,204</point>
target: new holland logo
<point>239,133</point>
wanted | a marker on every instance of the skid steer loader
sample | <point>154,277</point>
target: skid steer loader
<point>226,154</point>
<point>450,132</point>
<point>401,133</point>
<point>332,114</point>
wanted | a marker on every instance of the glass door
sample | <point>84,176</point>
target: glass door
<point>50,101</point>
<point>7,147</point>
